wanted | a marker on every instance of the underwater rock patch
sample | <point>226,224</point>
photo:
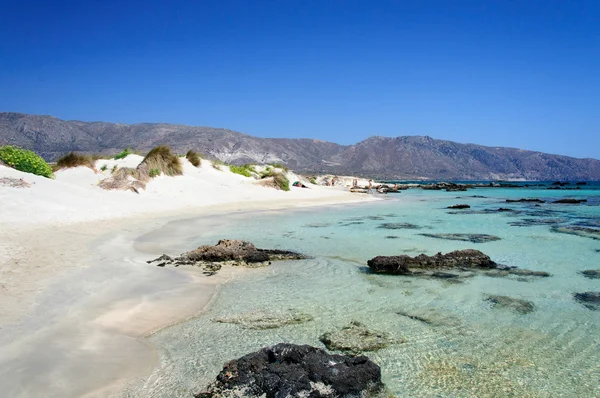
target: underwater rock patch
<point>570,201</point>
<point>399,225</point>
<point>430,317</point>
<point>228,252</point>
<point>525,200</point>
<point>289,370</point>
<point>355,339</point>
<point>513,304</point>
<point>532,222</point>
<point>392,237</point>
<point>591,273</point>
<point>459,206</point>
<point>521,274</point>
<point>590,300</point>
<point>584,232</point>
<point>266,319</point>
<point>473,238</point>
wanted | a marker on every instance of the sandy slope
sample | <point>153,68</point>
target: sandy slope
<point>76,295</point>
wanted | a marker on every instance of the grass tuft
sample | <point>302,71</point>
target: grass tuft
<point>163,159</point>
<point>104,167</point>
<point>194,158</point>
<point>154,173</point>
<point>26,161</point>
<point>245,170</point>
<point>276,180</point>
<point>216,164</point>
<point>73,159</point>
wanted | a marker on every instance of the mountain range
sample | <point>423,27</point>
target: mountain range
<point>406,157</point>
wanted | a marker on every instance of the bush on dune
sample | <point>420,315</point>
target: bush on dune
<point>163,159</point>
<point>245,170</point>
<point>126,152</point>
<point>275,180</point>
<point>216,164</point>
<point>194,158</point>
<point>73,159</point>
<point>26,161</point>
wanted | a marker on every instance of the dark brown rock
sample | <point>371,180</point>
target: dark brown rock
<point>460,206</point>
<point>570,201</point>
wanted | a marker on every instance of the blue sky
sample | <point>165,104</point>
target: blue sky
<point>501,73</point>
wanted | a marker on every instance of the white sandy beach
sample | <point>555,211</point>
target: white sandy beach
<point>76,293</point>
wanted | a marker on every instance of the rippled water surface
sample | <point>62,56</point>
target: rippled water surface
<point>468,348</point>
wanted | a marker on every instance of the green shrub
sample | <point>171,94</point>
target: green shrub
<point>104,167</point>
<point>126,152</point>
<point>73,159</point>
<point>154,173</point>
<point>24,160</point>
<point>245,170</point>
<point>164,160</point>
<point>279,179</point>
<point>312,180</point>
<point>194,158</point>
<point>114,168</point>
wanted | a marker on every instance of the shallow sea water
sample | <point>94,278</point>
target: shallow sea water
<point>470,349</point>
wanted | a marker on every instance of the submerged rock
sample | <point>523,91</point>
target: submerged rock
<point>355,339</point>
<point>460,206</point>
<point>570,201</point>
<point>590,300</point>
<point>230,252</point>
<point>591,273</point>
<point>517,305</point>
<point>431,317</point>
<point>289,370</point>
<point>399,225</point>
<point>473,238</point>
<point>406,265</point>
<point>584,232</point>
<point>266,320</point>
<point>524,200</point>
<point>517,272</point>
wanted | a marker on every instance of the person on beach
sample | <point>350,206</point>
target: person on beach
<point>370,186</point>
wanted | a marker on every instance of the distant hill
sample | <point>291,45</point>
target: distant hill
<point>411,157</point>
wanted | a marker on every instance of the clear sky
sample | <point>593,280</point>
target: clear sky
<point>501,73</point>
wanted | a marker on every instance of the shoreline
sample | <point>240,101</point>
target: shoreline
<point>67,296</point>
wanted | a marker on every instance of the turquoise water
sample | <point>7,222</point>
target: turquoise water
<point>469,349</point>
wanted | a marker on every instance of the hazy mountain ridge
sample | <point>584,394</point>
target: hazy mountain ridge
<point>409,157</point>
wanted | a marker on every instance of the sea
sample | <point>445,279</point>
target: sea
<point>448,338</point>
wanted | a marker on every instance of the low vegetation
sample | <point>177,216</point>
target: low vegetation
<point>194,158</point>
<point>126,152</point>
<point>154,173</point>
<point>216,164</point>
<point>104,167</point>
<point>73,159</point>
<point>245,170</point>
<point>26,161</point>
<point>312,180</point>
<point>276,180</point>
<point>163,159</point>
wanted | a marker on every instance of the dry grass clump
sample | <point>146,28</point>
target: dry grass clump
<point>194,158</point>
<point>275,180</point>
<point>73,159</point>
<point>163,159</point>
<point>157,161</point>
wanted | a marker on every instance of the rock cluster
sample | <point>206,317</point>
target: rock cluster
<point>230,252</point>
<point>289,370</point>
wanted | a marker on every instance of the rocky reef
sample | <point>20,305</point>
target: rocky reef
<point>228,252</point>
<point>459,206</point>
<point>525,200</point>
<point>473,238</point>
<point>591,273</point>
<point>462,263</point>
<point>570,201</point>
<point>355,339</point>
<point>289,370</point>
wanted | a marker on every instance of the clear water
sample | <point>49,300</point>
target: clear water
<point>471,350</point>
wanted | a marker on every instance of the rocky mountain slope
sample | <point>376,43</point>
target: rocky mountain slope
<point>381,157</point>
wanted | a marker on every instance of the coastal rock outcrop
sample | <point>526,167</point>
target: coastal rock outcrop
<point>459,206</point>
<point>570,201</point>
<point>229,252</point>
<point>518,305</point>
<point>289,370</point>
<point>355,339</point>
<point>534,200</point>
<point>590,300</point>
<point>584,232</point>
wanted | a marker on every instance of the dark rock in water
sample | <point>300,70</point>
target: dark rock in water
<point>518,305</point>
<point>231,252</point>
<point>590,300</point>
<point>584,232</point>
<point>562,184</point>
<point>398,225</point>
<point>521,274</point>
<point>570,201</point>
<point>406,265</point>
<point>591,273</point>
<point>474,238</point>
<point>289,370</point>
<point>459,206</point>
<point>444,275</point>
<point>392,237</point>
<point>534,200</point>
<point>266,319</point>
<point>355,339</point>
<point>505,209</point>
<point>581,183</point>
<point>531,222</point>
<point>431,317</point>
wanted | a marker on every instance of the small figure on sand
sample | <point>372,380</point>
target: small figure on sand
<point>370,186</point>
